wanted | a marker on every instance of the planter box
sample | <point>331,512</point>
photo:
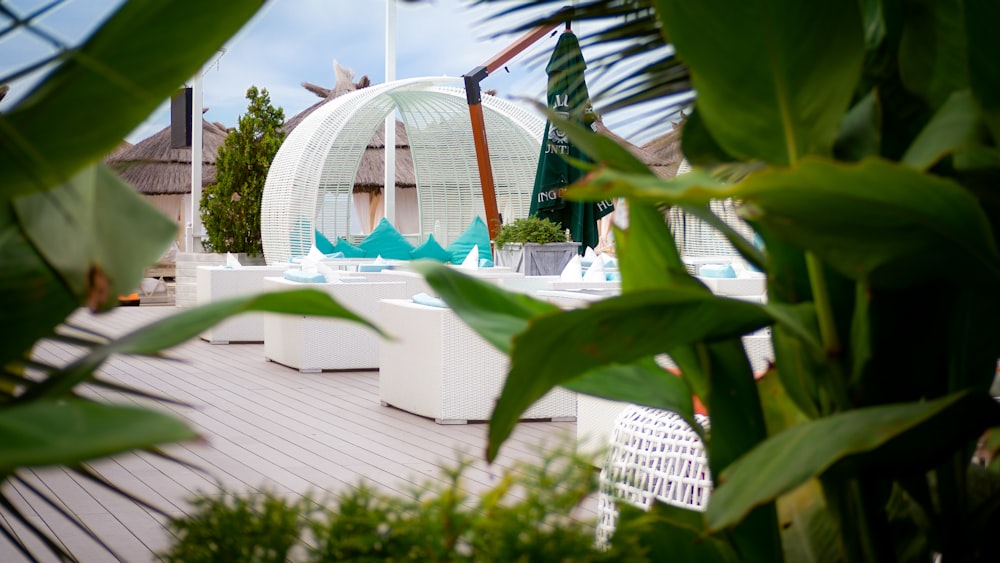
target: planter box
<point>535,259</point>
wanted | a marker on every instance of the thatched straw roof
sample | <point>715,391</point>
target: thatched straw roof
<point>344,84</point>
<point>116,153</point>
<point>660,165</point>
<point>668,145</point>
<point>154,168</point>
<point>371,170</point>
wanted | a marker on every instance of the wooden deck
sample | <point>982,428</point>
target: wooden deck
<point>264,426</point>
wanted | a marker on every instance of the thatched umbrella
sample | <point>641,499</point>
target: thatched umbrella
<point>370,178</point>
<point>163,174</point>
<point>154,168</point>
<point>660,164</point>
<point>371,171</point>
<point>667,147</point>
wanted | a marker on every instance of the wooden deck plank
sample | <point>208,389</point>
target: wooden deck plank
<point>264,426</point>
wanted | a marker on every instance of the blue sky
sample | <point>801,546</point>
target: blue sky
<point>294,41</point>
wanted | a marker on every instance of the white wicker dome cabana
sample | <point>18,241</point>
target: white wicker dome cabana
<point>311,180</point>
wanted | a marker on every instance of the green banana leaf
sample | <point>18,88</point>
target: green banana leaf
<point>66,431</point>
<point>187,324</point>
<point>775,88</point>
<point>97,258</point>
<point>809,449</point>
<point>557,348</point>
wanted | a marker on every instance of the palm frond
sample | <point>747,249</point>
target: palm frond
<point>632,56</point>
<point>50,544</point>
<point>90,475</point>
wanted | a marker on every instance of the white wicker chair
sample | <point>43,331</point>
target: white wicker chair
<point>438,367</point>
<point>311,179</point>
<point>596,416</point>
<point>654,455</point>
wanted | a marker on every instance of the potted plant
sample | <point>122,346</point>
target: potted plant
<point>535,246</point>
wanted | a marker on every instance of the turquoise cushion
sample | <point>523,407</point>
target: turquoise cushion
<point>304,277</point>
<point>323,244</point>
<point>717,271</point>
<point>432,250</point>
<point>476,234</point>
<point>385,241</point>
<point>374,267</point>
<point>424,299</point>
<point>348,249</point>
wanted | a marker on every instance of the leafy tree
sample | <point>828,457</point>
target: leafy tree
<point>230,208</point>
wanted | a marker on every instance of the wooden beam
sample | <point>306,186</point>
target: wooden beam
<point>473,95</point>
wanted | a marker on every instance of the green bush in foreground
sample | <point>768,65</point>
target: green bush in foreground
<point>525,516</point>
<point>227,527</point>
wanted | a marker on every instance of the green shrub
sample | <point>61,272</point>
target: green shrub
<point>230,208</point>
<point>526,516</point>
<point>531,229</point>
<point>259,527</point>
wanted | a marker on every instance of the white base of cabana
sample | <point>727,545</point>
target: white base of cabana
<point>436,366</point>
<point>313,344</point>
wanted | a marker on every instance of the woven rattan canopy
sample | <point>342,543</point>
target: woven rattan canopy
<point>311,179</point>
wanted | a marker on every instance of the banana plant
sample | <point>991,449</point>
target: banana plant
<point>73,234</point>
<point>866,133</point>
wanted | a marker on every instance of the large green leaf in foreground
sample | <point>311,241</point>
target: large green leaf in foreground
<point>107,86</point>
<point>919,431</point>
<point>875,220</point>
<point>67,431</point>
<point>778,92</point>
<point>69,227</point>
<point>557,348</point>
<point>97,94</point>
<point>188,324</point>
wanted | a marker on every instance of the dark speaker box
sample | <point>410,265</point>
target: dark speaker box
<point>180,119</point>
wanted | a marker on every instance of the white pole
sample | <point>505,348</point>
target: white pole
<point>389,182</point>
<point>196,158</point>
<point>197,229</point>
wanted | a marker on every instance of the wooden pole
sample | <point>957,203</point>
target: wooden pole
<point>473,95</point>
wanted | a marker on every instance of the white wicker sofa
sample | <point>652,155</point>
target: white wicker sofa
<point>438,367</point>
<point>313,344</point>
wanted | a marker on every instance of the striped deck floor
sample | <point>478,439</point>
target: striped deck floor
<point>264,426</point>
